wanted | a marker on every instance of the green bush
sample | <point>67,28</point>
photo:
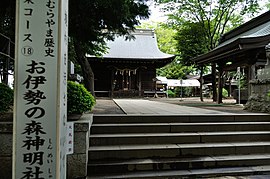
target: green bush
<point>79,100</point>
<point>171,94</point>
<point>187,91</point>
<point>6,97</point>
<point>225,93</point>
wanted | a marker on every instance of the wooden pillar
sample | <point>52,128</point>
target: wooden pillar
<point>249,77</point>
<point>140,82</point>
<point>214,87</point>
<point>220,83</point>
<point>112,83</point>
<point>123,80</point>
<point>201,83</point>
<point>130,79</point>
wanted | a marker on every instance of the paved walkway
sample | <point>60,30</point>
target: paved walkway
<point>142,106</point>
<point>106,106</point>
<point>161,107</point>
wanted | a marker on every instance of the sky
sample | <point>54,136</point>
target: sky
<point>157,15</point>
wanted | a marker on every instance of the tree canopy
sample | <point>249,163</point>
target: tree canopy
<point>7,18</point>
<point>167,43</point>
<point>200,24</point>
<point>91,23</point>
<point>213,17</point>
<point>191,42</point>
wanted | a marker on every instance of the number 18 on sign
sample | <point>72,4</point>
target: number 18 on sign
<point>39,139</point>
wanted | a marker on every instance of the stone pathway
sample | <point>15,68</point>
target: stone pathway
<point>106,106</point>
<point>165,106</point>
<point>142,106</point>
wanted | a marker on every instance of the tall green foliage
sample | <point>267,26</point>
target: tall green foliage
<point>214,17</point>
<point>7,18</point>
<point>191,42</point>
<point>6,97</point>
<point>175,70</point>
<point>165,38</point>
<point>210,19</point>
<point>91,23</point>
<point>167,43</point>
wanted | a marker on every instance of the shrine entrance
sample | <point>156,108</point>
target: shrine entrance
<point>125,79</point>
<point>125,83</point>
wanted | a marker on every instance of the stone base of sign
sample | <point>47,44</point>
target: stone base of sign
<point>259,101</point>
<point>6,167</point>
<point>77,162</point>
<point>6,117</point>
<point>77,166</point>
<point>6,129</point>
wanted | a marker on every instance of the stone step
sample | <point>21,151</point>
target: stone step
<point>180,163</point>
<point>178,127</point>
<point>118,118</point>
<point>178,138</point>
<point>176,150</point>
<point>260,171</point>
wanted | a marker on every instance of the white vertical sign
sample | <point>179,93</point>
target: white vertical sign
<point>39,148</point>
<point>70,137</point>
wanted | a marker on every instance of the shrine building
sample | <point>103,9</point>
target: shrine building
<point>241,50</point>
<point>129,66</point>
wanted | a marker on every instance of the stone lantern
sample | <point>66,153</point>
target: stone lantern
<point>260,97</point>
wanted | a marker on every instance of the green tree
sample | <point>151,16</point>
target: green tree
<point>91,23</point>
<point>7,18</point>
<point>213,18</point>
<point>165,39</point>
<point>168,44</point>
<point>175,70</point>
<point>191,42</point>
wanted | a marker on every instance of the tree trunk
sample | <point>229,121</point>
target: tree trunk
<point>214,87</point>
<point>88,74</point>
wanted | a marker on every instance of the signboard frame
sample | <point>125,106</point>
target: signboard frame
<point>40,115</point>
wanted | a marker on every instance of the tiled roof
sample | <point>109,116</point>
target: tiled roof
<point>260,31</point>
<point>253,34</point>
<point>143,46</point>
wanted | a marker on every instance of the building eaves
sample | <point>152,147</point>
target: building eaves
<point>255,37</point>
<point>253,23</point>
<point>142,47</point>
